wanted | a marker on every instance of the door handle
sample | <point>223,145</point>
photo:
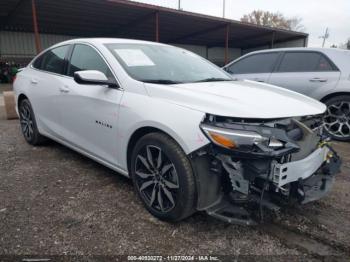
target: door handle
<point>317,79</point>
<point>258,80</point>
<point>64,89</point>
<point>33,81</point>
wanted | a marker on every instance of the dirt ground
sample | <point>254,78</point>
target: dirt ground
<point>54,201</point>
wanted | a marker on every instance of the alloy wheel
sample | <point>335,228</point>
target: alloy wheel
<point>26,120</point>
<point>337,119</point>
<point>157,179</point>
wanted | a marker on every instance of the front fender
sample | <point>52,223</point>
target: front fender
<point>180,123</point>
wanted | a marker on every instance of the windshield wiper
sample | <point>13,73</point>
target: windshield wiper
<point>161,81</point>
<point>213,79</point>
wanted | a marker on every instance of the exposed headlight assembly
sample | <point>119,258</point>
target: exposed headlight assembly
<point>232,139</point>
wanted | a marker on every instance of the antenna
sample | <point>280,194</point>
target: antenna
<point>325,36</point>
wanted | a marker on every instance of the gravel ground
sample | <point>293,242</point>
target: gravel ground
<point>54,201</point>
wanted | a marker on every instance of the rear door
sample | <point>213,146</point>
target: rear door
<point>46,79</point>
<point>90,112</point>
<point>256,67</point>
<point>307,72</point>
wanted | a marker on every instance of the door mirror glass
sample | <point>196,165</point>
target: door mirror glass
<point>93,77</point>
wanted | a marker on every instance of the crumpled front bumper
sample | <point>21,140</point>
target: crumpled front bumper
<point>314,174</point>
<point>307,179</point>
<point>320,183</point>
<point>293,171</point>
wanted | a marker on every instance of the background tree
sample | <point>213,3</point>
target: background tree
<point>277,20</point>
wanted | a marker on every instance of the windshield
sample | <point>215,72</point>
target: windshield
<point>165,64</point>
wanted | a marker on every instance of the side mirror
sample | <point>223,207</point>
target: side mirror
<point>93,77</point>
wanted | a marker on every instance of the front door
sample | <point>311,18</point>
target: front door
<point>90,112</point>
<point>255,67</point>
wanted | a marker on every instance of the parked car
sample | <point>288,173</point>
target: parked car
<point>321,73</point>
<point>188,136</point>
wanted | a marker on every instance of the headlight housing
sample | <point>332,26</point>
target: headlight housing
<point>234,139</point>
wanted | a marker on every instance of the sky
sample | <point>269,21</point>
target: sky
<point>316,15</point>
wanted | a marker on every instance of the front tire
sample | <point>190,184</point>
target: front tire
<point>163,177</point>
<point>337,117</point>
<point>28,124</point>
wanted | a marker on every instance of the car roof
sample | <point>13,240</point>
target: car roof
<point>316,49</point>
<point>108,41</point>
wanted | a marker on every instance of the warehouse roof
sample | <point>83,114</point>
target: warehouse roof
<point>120,18</point>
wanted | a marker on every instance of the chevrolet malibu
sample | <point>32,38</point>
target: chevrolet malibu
<point>190,138</point>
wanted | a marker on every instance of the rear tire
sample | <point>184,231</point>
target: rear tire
<point>28,124</point>
<point>163,177</point>
<point>337,117</point>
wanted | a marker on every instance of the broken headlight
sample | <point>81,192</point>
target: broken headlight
<point>233,139</point>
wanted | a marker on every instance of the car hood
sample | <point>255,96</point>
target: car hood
<point>242,99</point>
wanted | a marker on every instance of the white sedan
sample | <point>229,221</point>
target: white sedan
<point>189,136</point>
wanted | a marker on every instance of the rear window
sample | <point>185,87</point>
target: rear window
<point>52,60</point>
<point>305,62</point>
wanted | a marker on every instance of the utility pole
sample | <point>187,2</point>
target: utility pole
<point>223,8</point>
<point>325,36</point>
<point>179,5</point>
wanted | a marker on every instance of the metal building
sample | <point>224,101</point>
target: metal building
<point>28,26</point>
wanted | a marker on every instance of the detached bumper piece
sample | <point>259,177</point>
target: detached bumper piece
<point>233,214</point>
<point>319,184</point>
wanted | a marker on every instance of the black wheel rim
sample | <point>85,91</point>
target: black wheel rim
<point>337,119</point>
<point>26,120</point>
<point>156,178</point>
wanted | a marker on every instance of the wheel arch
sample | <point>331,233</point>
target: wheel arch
<point>21,97</point>
<point>137,134</point>
<point>329,96</point>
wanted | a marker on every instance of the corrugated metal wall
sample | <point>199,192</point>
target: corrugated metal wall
<point>22,45</point>
<point>217,55</point>
<point>19,44</point>
<point>293,43</point>
<point>214,54</point>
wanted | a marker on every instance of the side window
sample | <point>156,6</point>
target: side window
<point>259,63</point>
<point>38,61</point>
<point>304,62</point>
<point>52,60</point>
<point>324,65</point>
<point>86,58</point>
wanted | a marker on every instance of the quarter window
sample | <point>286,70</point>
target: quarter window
<point>86,58</point>
<point>52,60</point>
<point>304,62</point>
<point>253,64</point>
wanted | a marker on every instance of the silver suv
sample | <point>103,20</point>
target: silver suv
<point>321,73</point>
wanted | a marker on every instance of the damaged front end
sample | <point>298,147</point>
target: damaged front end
<point>255,164</point>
